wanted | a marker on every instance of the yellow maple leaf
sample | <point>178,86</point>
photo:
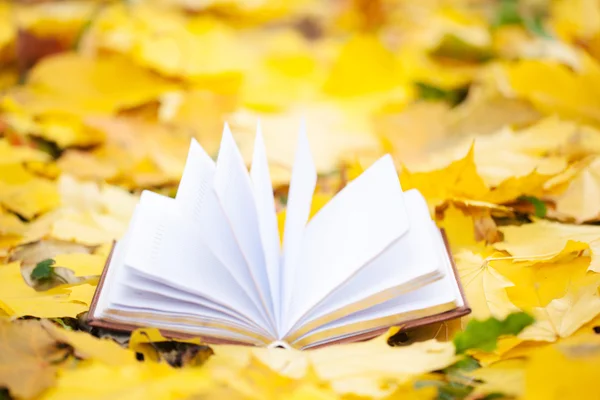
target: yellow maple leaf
<point>575,20</point>
<point>142,341</point>
<point>85,165</point>
<point>536,285</point>
<point>459,228</point>
<point>554,88</point>
<point>90,214</point>
<point>375,72</point>
<point>28,358</point>
<point>458,179</point>
<point>580,198</point>
<point>31,198</point>
<point>81,264</point>
<point>91,87</point>
<point>484,286</point>
<point>134,381</point>
<point>563,316</point>
<point>171,42</point>
<point>507,377</point>
<point>566,369</point>
<point>361,369</point>
<point>543,241</point>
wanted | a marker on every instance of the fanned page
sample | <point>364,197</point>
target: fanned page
<point>234,191</point>
<point>160,248</point>
<point>422,253</point>
<point>302,186</point>
<point>359,223</point>
<point>199,201</point>
<point>405,265</point>
<point>267,218</point>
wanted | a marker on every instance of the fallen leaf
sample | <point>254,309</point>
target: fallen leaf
<point>87,346</point>
<point>18,299</point>
<point>357,368</point>
<point>569,93</point>
<point>128,381</point>
<point>10,154</point>
<point>376,73</point>
<point>458,179</point>
<point>29,358</point>
<point>31,198</point>
<point>484,334</point>
<point>543,240</point>
<point>506,377</point>
<point>563,316</point>
<point>485,288</point>
<point>579,199</point>
<point>566,369</point>
<point>178,352</point>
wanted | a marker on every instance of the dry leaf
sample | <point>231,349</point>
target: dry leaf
<point>87,346</point>
<point>29,358</point>
<point>485,288</point>
<point>566,368</point>
<point>563,316</point>
<point>543,240</point>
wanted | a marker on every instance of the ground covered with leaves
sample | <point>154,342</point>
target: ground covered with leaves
<point>490,108</point>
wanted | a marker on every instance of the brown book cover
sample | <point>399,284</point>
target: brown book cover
<point>445,316</point>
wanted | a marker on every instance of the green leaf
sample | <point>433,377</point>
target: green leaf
<point>483,335</point>
<point>508,14</point>
<point>494,395</point>
<point>535,25</point>
<point>454,391</point>
<point>432,93</point>
<point>455,48</point>
<point>43,270</point>
<point>538,205</point>
<point>466,364</point>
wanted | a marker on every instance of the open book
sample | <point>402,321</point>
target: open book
<point>209,262</point>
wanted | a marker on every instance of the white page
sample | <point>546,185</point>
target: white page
<point>359,223</point>
<point>162,245</point>
<point>199,201</point>
<point>267,217</point>
<point>133,288</point>
<point>234,191</point>
<point>412,257</point>
<point>115,268</point>
<point>440,292</point>
<point>135,301</point>
<point>302,187</point>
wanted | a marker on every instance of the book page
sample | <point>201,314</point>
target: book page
<point>267,217</point>
<point>302,187</point>
<point>359,223</point>
<point>412,260</point>
<point>162,245</point>
<point>134,289</point>
<point>234,191</point>
<point>198,200</point>
<point>439,296</point>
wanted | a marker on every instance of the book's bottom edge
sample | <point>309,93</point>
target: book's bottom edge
<point>167,333</point>
<point>416,323</point>
<point>172,334</point>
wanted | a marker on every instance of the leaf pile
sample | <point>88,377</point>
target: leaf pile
<point>489,108</point>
